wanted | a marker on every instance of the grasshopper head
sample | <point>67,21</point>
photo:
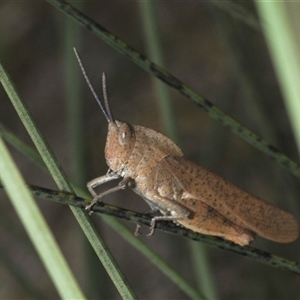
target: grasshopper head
<point>120,142</point>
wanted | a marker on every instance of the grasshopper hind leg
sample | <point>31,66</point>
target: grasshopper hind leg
<point>171,210</point>
<point>154,210</point>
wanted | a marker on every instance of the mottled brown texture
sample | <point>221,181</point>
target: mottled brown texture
<point>186,193</point>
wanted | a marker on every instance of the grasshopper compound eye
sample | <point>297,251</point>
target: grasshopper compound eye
<point>125,134</point>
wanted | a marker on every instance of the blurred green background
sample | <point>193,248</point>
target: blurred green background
<point>210,49</point>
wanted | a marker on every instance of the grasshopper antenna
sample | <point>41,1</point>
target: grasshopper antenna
<point>106,102</point>
<point>107,114</point>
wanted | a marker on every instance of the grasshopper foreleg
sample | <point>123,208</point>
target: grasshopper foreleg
<point>125,182</point>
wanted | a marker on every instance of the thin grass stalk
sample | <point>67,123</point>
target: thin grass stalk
<point>74,100</point>
<point>171,228</point>
<point>95,277</point>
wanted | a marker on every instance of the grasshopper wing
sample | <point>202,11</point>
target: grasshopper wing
<point>235,205</point>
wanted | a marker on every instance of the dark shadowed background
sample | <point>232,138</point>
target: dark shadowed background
<point>221,58</point>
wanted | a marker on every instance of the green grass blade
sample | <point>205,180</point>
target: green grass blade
<point>282,38</point>
<point>37,228</point>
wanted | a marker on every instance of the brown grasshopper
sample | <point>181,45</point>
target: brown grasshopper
<point>184,192</point>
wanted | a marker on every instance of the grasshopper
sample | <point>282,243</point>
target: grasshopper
<point>182,191</point>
